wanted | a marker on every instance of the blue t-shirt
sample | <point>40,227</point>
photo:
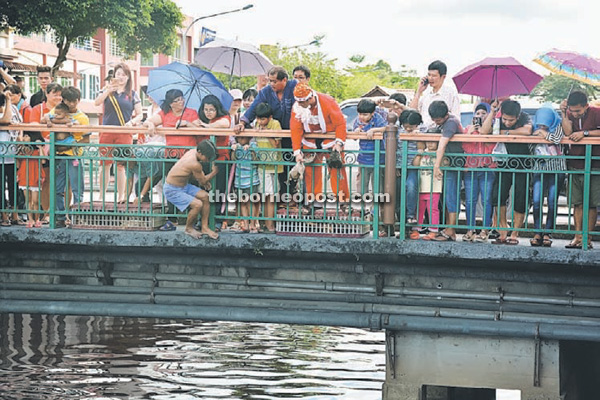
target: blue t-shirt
<point>367,147</point>
<point>126,103</point>
<point>282,109</point>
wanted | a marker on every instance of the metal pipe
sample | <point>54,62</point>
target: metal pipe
<point>389,186</point>
<point>296,305</point>
<point>350,319</point>
<point>492,306</point>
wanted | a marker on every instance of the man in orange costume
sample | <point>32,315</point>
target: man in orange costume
<point>318,113</point>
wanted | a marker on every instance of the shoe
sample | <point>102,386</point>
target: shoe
<point>443,237</point>
<point>494,234</point>
<point>59,224</point>
<point>414,235</point>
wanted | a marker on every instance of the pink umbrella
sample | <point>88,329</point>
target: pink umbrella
<point>574,65</point>
<point>493,77</point>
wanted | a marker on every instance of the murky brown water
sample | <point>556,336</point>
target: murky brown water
<point>63,357</point>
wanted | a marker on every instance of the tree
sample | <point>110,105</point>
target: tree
<point>145,26</point>
<point>359,79</point>
<point>555,88</point>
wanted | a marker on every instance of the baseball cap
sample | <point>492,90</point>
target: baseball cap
<point>236,94</point>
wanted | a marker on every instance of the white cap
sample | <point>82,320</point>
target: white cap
<point>236,94</point>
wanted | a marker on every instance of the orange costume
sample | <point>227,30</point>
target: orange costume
<point>324,117</point>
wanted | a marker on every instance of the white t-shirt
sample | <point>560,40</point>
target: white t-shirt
<point>7,150</point>
<point>447,93</point>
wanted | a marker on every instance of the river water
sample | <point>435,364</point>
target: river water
<point>68,357</point>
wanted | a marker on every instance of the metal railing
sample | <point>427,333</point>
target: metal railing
<point>352,210</point>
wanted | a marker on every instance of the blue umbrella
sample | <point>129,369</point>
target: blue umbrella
<point>194,82</point>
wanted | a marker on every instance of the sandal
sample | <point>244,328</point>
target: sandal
<point>511,241</point>
<point>482,237</point>
<point>167,227</point>
<point>443,237</point>
<point>575,244</point>
<point>547,241</point>
<point>18,222</point>
<point>536,241</point>
<point>469,236</point>
<point>5,222</point>
<point>414,235</point>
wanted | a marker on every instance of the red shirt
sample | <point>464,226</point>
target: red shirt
<point>222,141</point>
<point>36,115</point>
<point>589,122</point>
<point>169,120</point>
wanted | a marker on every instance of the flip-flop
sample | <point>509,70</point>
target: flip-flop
<point>167,227</point>
<point>499,241</point>
<point>536,241</point>
<point>547,242</point>
<point>574,245</point>
<point>511,242</point>
<point>5,223</point>
<point>443,237</point>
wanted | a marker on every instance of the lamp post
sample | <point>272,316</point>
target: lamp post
<point>184,38</point>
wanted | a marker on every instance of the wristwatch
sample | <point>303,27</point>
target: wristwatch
<point>586,133</point>
<point>507,131</point>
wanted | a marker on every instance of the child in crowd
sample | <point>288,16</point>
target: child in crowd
<point>30,174</point>
<point>268,172</point>
<point>247,99</point>
<point>478,182</point>
<point>246,181</point>
<point>410,122</point>
<point>370,122</point>
<point>430,189</point>
<point>60,116</point>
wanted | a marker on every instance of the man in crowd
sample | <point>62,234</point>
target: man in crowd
<point>319,113</point>
<point>580,120</point>
<point>44,77</point>
<point>301,73</point>
<point>449,125</point>
<point>432,88</point>
<point>513,121</point>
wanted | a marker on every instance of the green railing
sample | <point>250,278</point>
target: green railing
<point>94,204</point>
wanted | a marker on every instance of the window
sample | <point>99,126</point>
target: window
<point>83,87</point>
<point>144,97</point>
<point>33,84</point>
<point>94,86</point>
<point>64,82</point>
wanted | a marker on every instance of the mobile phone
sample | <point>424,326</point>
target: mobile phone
<point>113,81</point>
<point>477,121</point>
<point>425,81</point>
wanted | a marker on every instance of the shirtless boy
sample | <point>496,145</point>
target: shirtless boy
<point>183,195</point>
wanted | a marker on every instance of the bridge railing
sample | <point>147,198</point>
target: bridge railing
<point>351,208</point>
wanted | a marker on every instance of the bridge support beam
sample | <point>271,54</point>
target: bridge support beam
<point>448,366</point>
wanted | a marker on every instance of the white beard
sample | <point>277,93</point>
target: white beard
<point>302,114</point>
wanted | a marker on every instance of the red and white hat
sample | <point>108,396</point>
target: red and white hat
<point>302,92</point>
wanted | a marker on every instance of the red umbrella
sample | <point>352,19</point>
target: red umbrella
<point>496,77</point>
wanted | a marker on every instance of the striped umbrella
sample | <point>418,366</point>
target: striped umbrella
<point>578,66</point>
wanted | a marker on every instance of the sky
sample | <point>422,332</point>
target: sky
<point>412,32</point>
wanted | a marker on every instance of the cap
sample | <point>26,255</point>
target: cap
<point>236,94</point>
<point>302,92</point>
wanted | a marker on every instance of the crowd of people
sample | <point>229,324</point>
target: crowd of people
<point>491,173</point>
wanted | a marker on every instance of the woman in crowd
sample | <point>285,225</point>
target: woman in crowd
<point>122,107</point>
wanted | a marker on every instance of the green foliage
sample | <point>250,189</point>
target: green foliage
<point>555,88</point>
<point>146,26</point>
<point>341,84</point>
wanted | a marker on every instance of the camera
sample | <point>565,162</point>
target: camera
<point>477,121</point>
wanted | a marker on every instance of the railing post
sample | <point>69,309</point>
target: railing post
<point>391,144</point>
<point>586,196</point>
<point>376,185</point>
<point>52,181</point>
<point>404,172</point>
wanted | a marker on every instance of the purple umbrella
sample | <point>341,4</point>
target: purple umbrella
<point>492,78</point>
<point>574,65</point>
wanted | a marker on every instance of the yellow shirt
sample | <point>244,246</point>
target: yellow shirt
<point>265,143</point>
<point>83,119</point>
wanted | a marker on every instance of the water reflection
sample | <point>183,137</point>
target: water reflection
<point>66,357</point>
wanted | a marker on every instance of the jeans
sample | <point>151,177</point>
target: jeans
<point>476,183</point>
<point>550,188</point>
<point>412,193</point>
<point>451,187</point>
<point>74,170</point>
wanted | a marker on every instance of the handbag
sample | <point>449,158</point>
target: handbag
<point>499,149</point>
